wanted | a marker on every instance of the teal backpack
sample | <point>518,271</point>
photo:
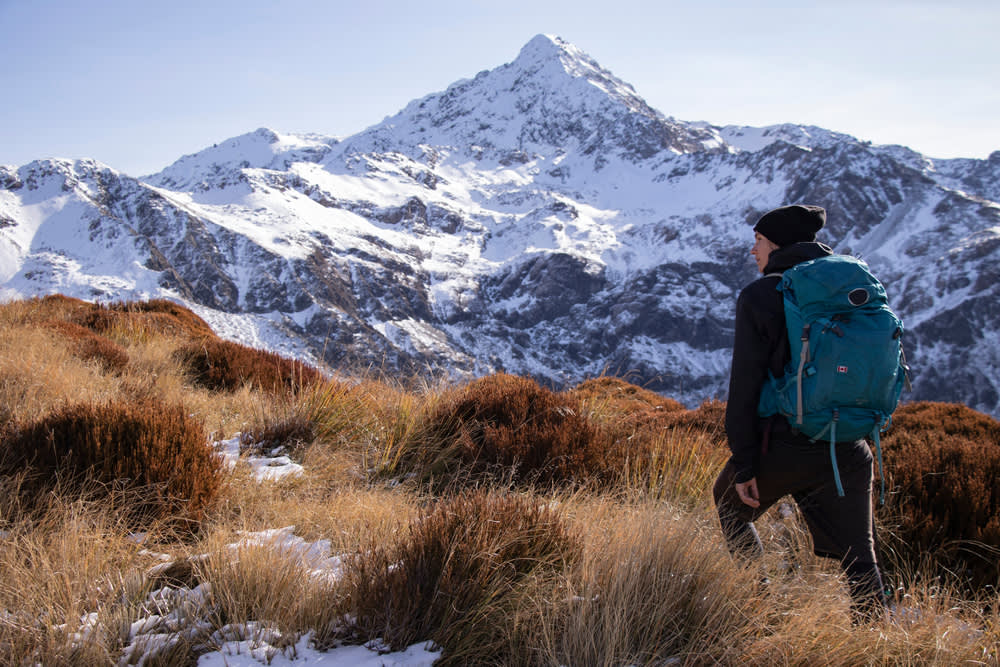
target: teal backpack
<point>847,369</point>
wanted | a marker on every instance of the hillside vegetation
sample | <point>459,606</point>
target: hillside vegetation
<point>504,521</point>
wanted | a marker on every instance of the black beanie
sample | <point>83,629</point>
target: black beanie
<point>791,224</point>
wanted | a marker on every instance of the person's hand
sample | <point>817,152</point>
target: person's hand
<point>748,492</point>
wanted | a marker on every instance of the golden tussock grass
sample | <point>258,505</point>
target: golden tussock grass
<point>510,523</point>
<point>457,574</point>
<point>39,373</point>
<point>262,580</point>
<point>73,559</point>
<point>678,464</point>
<point>327,502</point>
<point>614,398</point>
<point>654,585</point>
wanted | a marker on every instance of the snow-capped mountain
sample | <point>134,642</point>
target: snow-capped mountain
<point>539,218</point>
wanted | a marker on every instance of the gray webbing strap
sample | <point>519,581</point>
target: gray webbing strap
<point>803,359</point>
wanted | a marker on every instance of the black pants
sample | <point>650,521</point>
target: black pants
<point>841,526</point>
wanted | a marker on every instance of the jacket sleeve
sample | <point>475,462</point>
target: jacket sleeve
<point>752,351</point>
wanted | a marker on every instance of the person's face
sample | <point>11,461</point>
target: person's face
<point>762,249</point>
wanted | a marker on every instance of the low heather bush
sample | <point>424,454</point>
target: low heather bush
<point>138,319</point>
<point>511,423</point>
<point>221,365</point>
<point>456,576</point>
<point>155,453</point>
<point>88,345</point>
<point>946,419</point>
<point>58,307</point>
<point>708,418</point>
<point>291,433</point>
<point>619,399</point>
<point>942,465</point>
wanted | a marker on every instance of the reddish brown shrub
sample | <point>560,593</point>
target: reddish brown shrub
<point>455,575</point>
<point>179,319</point>
<point>621,406</point>
<point>708,418</point>
<point>157,316</point>
<point>88,345</point>
<point>942,465</point>
<point>621,397</point>
<point>511,422</point>
<point>221,365</point>
<point>290,433</point>
<point>155,450</point>
<point>950,419</point>
<point>61,307</point>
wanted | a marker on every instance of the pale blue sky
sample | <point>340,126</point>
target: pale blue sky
<point>138,84</point>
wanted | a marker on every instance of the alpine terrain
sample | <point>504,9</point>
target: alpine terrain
<point>539,218</point>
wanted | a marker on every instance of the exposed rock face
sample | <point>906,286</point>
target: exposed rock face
<point>539,218</point>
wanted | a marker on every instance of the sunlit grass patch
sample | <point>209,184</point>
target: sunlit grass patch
<point>654,585</point>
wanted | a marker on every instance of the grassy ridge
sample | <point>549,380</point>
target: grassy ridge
<point>507,522</point>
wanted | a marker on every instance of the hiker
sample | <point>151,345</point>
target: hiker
<point>770,458</point>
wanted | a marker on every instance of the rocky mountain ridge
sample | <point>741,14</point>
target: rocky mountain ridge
<point>538,218</point>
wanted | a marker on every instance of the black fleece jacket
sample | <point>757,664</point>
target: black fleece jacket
<point>760,346</point>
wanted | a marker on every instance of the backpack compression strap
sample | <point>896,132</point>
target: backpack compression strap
<point>878,451</point>
<point>803,360</point>
<point>833,452</point>
<point>832,428</point>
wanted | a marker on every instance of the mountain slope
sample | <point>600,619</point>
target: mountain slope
<point>539,218</point>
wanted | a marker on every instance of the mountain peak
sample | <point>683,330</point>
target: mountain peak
<point>552,98</point>
<point>548,55</point>
<point>542,48</point>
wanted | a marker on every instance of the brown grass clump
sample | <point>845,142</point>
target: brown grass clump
<point>131,320</point>
<point>221,365</point>
<point>88,345</point>
<point>675,463</point>
<point>458,574</point>
<point>154,450</point>
<point>73,558</point>
<point>942,465</point>
<point>945,419</point>
<point>615,396</point>
<point>653,587</point>
<point>53,306</point>
<point>708,418</point>
<point>511,423</point>
<point>136,320</point>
